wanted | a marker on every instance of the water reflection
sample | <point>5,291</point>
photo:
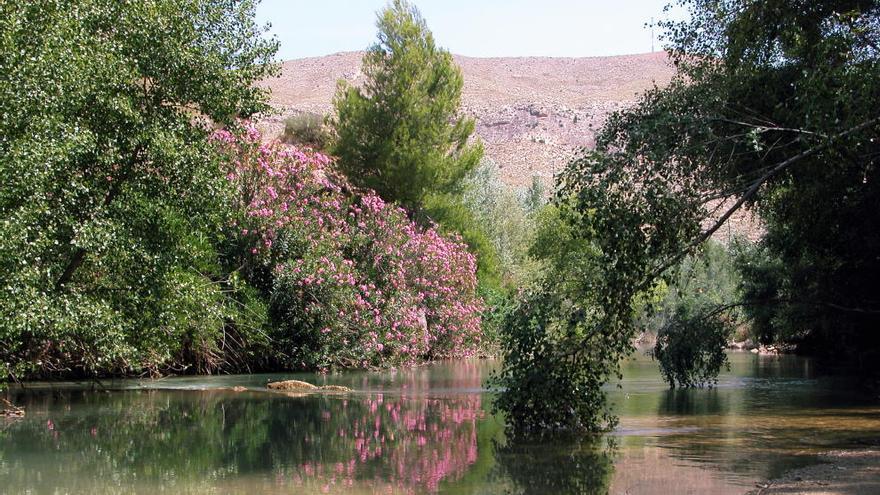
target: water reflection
<point>425,430</point>
<point>406,445</point>
<point>557,465</point>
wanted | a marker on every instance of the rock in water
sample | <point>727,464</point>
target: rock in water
<point>334,388</point>
<point>10,410</point>
<point>298,386</point>
<point>291,385</point>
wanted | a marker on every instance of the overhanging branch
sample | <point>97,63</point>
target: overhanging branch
<point>752,191</point>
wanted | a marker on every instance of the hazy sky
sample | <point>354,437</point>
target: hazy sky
<point>478,28</point>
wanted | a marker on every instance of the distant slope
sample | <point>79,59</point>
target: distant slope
<point>531,112</point>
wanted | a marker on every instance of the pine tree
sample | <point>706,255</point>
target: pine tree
<point>399,133</point>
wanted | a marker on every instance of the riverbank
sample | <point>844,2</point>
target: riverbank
<point>842,472</point>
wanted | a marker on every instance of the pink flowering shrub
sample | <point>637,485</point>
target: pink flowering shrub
<point>351,280</point>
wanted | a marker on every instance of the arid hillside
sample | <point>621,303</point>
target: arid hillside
<point>531,113</point>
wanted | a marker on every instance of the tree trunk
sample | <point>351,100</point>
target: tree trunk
<point>72,265</point>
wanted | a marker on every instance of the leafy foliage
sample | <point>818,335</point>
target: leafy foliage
<point>398,134</point>
<point>452,215</point>
<point>556,354</point>
<point>113,197</point>
<point>783,124</point>
<point>690,347</point>
<point>773,108</point>
<point>694,316</point>
<point>351,280</point>
<point>508,218</point>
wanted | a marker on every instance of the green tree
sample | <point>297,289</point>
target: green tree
<point>774,107</point>
<point>557,348</point>
<point>399,134</point>
<point>113,202</point>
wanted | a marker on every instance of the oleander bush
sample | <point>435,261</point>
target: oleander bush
<point>350,279</point>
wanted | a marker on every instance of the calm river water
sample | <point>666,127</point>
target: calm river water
<point>427,430</point>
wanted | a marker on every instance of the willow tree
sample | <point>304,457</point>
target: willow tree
<point>111,195</point>
<point>774,108</point>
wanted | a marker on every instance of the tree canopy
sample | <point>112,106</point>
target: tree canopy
<point>774,108</point>
<point>112,199</point>
<point>400,133</point>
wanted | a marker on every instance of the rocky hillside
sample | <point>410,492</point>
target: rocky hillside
<point>532,113</point>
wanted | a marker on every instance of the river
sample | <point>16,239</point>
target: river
<point>425,430</point>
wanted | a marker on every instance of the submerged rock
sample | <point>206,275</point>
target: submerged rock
<point>300,386</point>
<point>334,388</point>
<point>291,385</point>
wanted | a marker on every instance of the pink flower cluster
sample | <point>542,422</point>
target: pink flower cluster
<point>370,286</point>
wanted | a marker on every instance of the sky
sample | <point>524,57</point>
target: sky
<point>476,28</point>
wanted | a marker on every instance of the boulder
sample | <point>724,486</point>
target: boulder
<point>295,385</point>
<point>334,388</point>
<point>299,386</point>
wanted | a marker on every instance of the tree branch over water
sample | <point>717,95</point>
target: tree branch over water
<point>753,190</point>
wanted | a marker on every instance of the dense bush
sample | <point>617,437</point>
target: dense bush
<point>306,129</point>
<point>351,280</point>
<point>555,341</point>
<point>690,347</point>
